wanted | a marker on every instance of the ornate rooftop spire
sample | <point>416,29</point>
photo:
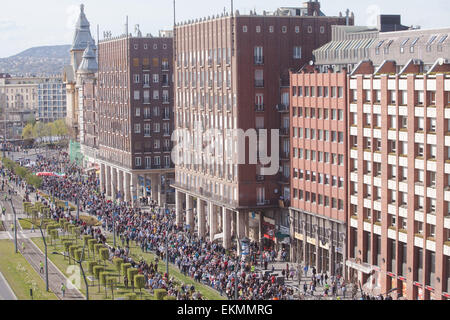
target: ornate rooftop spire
<point>89,63</point>
<point>82,33</point>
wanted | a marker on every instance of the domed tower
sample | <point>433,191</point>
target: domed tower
<point>81,40</point>
<point>86,81</point>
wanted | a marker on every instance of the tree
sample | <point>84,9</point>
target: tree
<point>160,294</point>
<point>97,271</point>
<point>111,282</point>
<point>125,268</point>
<point>118,263</point>
<point>91,265</point>
<point>54,234</point>
<point>104,255</point>
<point>139,282</point>
<point>39,130</point>
<point>67,245</point>
<point>27,132</point>
<point>91,245</point>
<point>131,272</point>
<point>102,277</point>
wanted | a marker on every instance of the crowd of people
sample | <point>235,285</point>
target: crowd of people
<point>154,230</point>
<point>151,230</point>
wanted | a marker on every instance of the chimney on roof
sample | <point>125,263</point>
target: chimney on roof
<point>313,8</point>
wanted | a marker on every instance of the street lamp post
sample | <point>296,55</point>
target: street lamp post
<point>45,249</point>
<point>167,254</point>
<point>78,209</point>
<point>15,225</point>
<point>4,136</point>
<point>80,263</point>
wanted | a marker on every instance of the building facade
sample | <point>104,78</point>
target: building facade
<point>319,170</point>
<point>399,224</point>
<point>396,217</point>
<point>134,112</point>
<point>82,38</point>
<point>51,100</point>
<point>230,75</point>
<point>27,99</point>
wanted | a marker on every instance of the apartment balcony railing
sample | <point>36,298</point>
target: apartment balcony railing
<point>259,60</point>
<point>259,108</point>
<point>259,83</point>
<point>284,131</point>
<point>282,108</point>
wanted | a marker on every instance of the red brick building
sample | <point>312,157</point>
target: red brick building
<point>230,74</point>
<point>399,154</point>
<point>319,170</point>
<point>135,116</point>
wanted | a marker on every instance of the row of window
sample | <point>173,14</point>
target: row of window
<point>156,79</point>
<point>320,178</point>
<point>218,78</point>
<point>322,135</point>
<point>335,159</point>
<point>420,97</point>
<point>150,164</point>
<point>317,91</point>
<point>284,29</point>
<point>146,95</point>
<point>155,46</point>
<point>319,113</point>
<point>319,199</point>
<point>156,112</point>
<point>156,128</point>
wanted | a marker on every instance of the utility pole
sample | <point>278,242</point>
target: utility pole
<point>167,254</point>
<point>15,224</point>
<point>4,136</point>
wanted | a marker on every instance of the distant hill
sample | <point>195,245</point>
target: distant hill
<point>46,60</point>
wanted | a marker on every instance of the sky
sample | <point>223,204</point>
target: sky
<point>28,23</point>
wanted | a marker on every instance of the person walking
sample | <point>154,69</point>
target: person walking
<point>63,290</point>
<point>41,267</point>
<point>23,246</point>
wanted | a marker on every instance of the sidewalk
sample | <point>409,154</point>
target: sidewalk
<point>6,292</point>
<point>34,256</point>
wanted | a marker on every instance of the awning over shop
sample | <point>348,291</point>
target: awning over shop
<point>281,236</point>
<point>364,268</point>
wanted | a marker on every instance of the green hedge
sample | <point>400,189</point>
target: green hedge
<point>130,296</point>
<point>91,264</point>
<point>160,294</point>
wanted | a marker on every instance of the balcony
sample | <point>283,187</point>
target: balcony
<point>284,203</point>
<point>259,108</point>
<point>263,202</point>
<point>258,60</point>
<point>282,108</point>
<point>283,179</point>
<point>285,156</point>
<point>285,132</point>
<point>165,67</point>
<point>166,84</point>
<point>259,83</point>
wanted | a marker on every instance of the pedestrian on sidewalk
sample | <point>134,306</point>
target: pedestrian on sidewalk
<point>23,247</point>
<point>41,267</point>
<point>63,290</point>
